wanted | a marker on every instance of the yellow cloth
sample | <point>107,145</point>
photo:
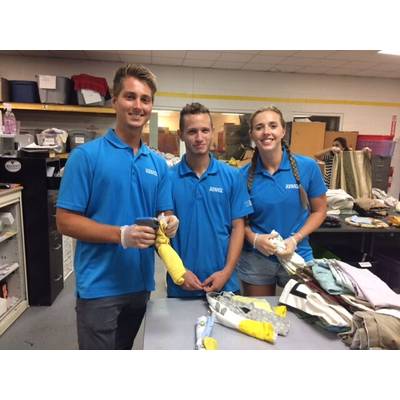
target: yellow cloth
<point>258,329</point>
<point>170,257</point>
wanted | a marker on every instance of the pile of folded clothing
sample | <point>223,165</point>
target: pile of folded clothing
<point>382,195</point>
<point>350,301</point>
<point>366,222</point>
<point>339,202</point>
<point>374,208</point>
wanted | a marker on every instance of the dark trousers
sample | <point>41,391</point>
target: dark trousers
<point>110,323</point>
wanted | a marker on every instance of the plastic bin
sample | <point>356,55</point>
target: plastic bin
<point>78,137</point>
<point>381,145</point>
<point>24,92</point>
<point>60,95</point>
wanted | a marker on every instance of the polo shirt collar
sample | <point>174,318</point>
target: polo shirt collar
<point>283,166</point>
<point>184,168</point>
<point>116,141</point>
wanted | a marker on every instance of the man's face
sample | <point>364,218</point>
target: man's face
<point>197,133</point>
<point>134,104</point>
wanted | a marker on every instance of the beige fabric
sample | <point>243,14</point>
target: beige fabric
<point>352,172</point>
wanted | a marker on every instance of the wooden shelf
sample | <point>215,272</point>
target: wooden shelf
<point>59,108</point>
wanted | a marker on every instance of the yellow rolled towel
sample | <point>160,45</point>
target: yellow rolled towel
<point>170,257</point>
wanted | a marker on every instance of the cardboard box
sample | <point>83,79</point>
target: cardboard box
<point>307,138</point>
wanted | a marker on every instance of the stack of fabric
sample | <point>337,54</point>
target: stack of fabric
<point>351,301</point>
<point>382,195</point>
<point>339,202</point>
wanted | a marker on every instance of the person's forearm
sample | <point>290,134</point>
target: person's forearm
<point>85,229</point>
<point>313,222</point>
<point>235,246</point>
<point>249,234</point>
<point>321,153</point>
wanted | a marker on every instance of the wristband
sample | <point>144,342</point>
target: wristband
<point>255,240</point>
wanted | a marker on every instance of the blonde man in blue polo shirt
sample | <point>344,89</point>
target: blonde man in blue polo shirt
<point>211,201</point>
<point>288,195</point>
<point>108,183</point>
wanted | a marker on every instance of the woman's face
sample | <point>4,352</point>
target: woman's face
<point>337,144</point>
<point>267,131</point>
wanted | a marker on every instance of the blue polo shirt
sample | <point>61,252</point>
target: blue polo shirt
<point>276,199</point>
<point>206,207</point>
<point>106,182</point>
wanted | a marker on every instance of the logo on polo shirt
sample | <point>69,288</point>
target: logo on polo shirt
<point>150,171</point>
<point>292,186</point>
<point>216,189</point>
<point>248,203</point>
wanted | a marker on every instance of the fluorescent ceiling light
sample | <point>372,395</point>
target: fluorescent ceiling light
<point>391,52</point>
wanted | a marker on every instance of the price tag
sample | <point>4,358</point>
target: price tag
<point>90,96</point>
<point>49,141</point>
<point>79,139</point>
<point>47,82</point>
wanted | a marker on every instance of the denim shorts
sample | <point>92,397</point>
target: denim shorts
<point>256,269</point>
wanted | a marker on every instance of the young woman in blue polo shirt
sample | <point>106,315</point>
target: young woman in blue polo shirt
<point>288,195</point>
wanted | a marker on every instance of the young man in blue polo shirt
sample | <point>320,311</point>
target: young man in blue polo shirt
<point>108,183</point>
<point>211,201</point>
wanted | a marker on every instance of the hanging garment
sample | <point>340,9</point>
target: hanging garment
<point>249,315</point>
<point>352,172</point>
<point>170,257</point>
<point>370,330</point>
<point>301,297</point>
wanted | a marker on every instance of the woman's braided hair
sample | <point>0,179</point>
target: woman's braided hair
<point>303,195</point>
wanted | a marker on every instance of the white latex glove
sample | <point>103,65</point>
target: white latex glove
<point>138,236</point>
<point>172,223</point>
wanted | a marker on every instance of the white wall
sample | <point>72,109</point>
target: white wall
<point>178,86</point>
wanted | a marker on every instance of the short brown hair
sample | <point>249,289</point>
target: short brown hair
<point>137,71</point>
<point>192,109</point>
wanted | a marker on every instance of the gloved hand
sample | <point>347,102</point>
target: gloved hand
<point>138,236</point>
<point>264,245</point>
<point>172,225</point>
<point>290,248</point>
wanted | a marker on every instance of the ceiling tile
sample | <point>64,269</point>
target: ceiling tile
<point>256,66</point>
<point>72,54</point>
<point>277,53</point>
<point>288,68</point>
<point>124,53</point>
<point>227,65</point>
<point>132,58</point>
<point>103,55</point>
<point>234,56</point>
<point>197,63</point>
<point>203,54</point>
<point>261,58</point>
<point>314,53</point>
<point>353,55</point>
<point>169,53</point>
<point>166,61</point>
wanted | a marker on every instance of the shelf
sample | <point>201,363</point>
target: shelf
<point>10,270</point>
<point>7,235</point>
<point>60,108</point>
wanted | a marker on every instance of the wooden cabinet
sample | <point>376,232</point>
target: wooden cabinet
<point>13,288</point>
